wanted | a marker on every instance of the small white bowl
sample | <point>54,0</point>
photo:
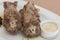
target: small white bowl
<point>46,34</point>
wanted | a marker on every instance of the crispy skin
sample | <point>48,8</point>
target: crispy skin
<point>30,20</point>
<point>12,18</point>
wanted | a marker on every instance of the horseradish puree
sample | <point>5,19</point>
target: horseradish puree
<point>49,27</point>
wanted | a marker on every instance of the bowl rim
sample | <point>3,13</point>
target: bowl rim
<point>46,22</point>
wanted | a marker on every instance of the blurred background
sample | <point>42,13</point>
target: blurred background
<point>53,5</point>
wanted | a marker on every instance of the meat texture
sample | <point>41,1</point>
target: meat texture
<point>30,20</point>
<point>12,18</point>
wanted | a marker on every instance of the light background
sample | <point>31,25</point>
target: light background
<point>53,5</point>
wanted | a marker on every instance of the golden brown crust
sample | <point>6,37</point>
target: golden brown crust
<point>31,20</point>
<point>12,18</point>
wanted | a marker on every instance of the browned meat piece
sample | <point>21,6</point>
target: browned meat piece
<point>30,20</point>
<point>12,18</point>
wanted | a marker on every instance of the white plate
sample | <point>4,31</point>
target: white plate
<point>44,15</point>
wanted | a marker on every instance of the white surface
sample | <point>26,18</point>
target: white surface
<point>45,15</point>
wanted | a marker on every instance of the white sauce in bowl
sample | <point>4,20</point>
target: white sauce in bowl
<point>50,27</point>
